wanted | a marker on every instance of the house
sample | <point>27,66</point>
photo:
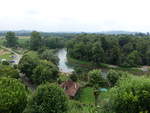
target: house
<point>70,87</point>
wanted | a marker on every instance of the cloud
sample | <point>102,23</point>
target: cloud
<point>75,15</point>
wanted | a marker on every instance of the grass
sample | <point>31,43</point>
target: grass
<point>2,40</point>
<point>33,54</point>
<point>78,107</point>
<point>86,96</point>
<point>6,56</point>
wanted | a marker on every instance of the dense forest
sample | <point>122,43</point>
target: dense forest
<point>122,50</point>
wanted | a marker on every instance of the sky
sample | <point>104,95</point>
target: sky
<point>75,15</point>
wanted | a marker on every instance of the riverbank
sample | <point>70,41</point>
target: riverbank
<point>86,66</point>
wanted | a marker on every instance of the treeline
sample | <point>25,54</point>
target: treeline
<point>37,41</point>
<point>123,50</point>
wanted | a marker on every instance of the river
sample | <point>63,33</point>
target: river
<point>63,67</point>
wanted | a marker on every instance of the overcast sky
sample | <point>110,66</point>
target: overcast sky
<point>75,15</point>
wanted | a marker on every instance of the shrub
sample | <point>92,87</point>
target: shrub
<point>13,96</point>
<point>48,98</point>
<point>7,71</point>
<point>132,95</point>
<point>113,76</point>
<point>45,72</point>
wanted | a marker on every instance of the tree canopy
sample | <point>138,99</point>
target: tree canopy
<point>11,39</point>
<point>123,50</point>
<point>13,96</point>
<point>131,95</point>
<point>44,72</point>
<point>8,71</point>
<point>48,98</point>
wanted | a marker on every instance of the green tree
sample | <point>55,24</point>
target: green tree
<point>48,98</point>
<point>74,77</point>
<point>50,56</point>
<point>134,59</point>
<point>113,76</point>
<point>13,96</point>
<point>11,39</point>
<point>97,53</point>
<point>27,64</point>
<point>96,80</point>
<point>8,71</point>
<point>45,71</point>
<point>35,41</point>
<point>132,95</point>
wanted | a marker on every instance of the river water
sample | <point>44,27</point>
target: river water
<point>63,67</point>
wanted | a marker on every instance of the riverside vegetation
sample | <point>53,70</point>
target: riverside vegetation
<point>115,90</point>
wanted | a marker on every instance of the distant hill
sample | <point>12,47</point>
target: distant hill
<point>118,32</point>
<point>68,34</point>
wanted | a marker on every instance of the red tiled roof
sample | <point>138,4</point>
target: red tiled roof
<point>70,87</point>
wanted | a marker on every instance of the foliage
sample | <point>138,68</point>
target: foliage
<point>96,79</point>
<point>74,77</point>
<point>131,95</point>
<point>48,98</point>
<point>13,96</point>
<point>11,39</point>
<point>5,63</point>
<point>62,78</point>
<point>53,42</point>
<point>27,64</point>
<point>35,41</point>
<point>7,71</point>
<point>78,107</point>
<point>113,76</point>
<point>123,50</point>
<point>50,56</point>
<point>45,71</point>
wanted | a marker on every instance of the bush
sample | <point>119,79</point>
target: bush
<point>7,71</point>
<point>48,98</point>
<point>45,72</point>
<point>132,95</point>
<point>50,56</point>
<point>113,76</point>
<point>5,63</point>
<point>27,64</point>
<point>13,96</point>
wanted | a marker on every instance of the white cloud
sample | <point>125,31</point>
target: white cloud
<point>75,15</point>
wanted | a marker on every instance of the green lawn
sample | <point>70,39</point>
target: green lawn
<point>6,56</point>
<point>86,96</point>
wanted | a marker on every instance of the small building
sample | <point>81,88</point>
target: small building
<point>71,88</point>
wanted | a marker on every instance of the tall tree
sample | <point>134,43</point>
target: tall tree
<point>35,41</point>
<point>11,39</point>
<point>96,80</point>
